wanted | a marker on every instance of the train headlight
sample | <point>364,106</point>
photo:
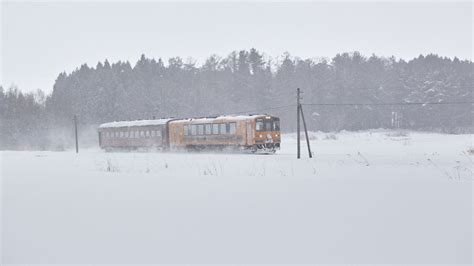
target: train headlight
<point>276,135</point>
<point>260,135</point>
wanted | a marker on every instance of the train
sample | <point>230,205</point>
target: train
<point>253,133</point>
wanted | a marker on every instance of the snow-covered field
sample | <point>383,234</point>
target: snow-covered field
<point>368,197</point>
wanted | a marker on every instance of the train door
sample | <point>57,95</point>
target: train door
<point>249,133</point>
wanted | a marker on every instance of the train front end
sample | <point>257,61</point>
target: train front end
<point>267,134</point>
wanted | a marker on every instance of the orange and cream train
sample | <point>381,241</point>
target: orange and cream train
<point>255,133</point>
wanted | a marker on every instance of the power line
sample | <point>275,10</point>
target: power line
<point>262,109</point>
<point>336,104</point>
<point>388,104</point>
<point>241,112</point>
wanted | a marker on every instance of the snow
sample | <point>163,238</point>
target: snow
<point>163,121</point>
<point>221,118</point>
<point>366,197</point>
<point>134,123</point>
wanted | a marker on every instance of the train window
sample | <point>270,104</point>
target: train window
<point>158,133</point>
<point>142,134</point>
<point>268,125</point>
<point>232,128</point>
<point>137,134</point>
<point>185,130</point>
<point>126,134</point>
<point>222,128</point>
<point>276,125</point>
<point>200,129</point>
<point>215,129</point>
<point>193,129</point>
<point>153,132</point>
<point>259,125</point>
<point>147,133</point>
<point>208,129</point>
<point>106,134</point>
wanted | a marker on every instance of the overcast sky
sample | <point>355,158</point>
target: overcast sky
<point>40,40</point>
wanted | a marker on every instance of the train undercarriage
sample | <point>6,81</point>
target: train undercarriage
<point>265,148</point>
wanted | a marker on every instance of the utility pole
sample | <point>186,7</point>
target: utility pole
<point>298,149</point>
<point>75,133</point>
<point>306,132</point>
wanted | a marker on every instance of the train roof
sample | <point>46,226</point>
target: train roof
<point>221,118</point>
<point>135,123</point>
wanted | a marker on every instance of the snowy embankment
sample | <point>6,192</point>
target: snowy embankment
<point>368,197</point>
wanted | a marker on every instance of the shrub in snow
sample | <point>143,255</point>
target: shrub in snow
<point>330,136</point>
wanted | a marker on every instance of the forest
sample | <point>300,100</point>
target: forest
<point>347,92</point>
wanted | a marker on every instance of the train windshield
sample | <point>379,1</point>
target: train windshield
<point>276,124</point>
<point>259,125</point>
<point>268,124</point>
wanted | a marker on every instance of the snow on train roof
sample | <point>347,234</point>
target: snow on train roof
<point>135,123</point>
<point>220,118</point>
<point>163,121</point>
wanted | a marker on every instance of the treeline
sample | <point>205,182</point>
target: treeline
<point>248,82</point>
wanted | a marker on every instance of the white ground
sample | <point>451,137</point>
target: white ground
<point>369,197</point>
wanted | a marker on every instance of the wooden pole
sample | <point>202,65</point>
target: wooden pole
<point>306,132</point>
<point>298,148</point>
<point>75,133</point>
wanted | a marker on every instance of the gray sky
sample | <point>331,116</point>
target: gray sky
<point>40,40</point>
